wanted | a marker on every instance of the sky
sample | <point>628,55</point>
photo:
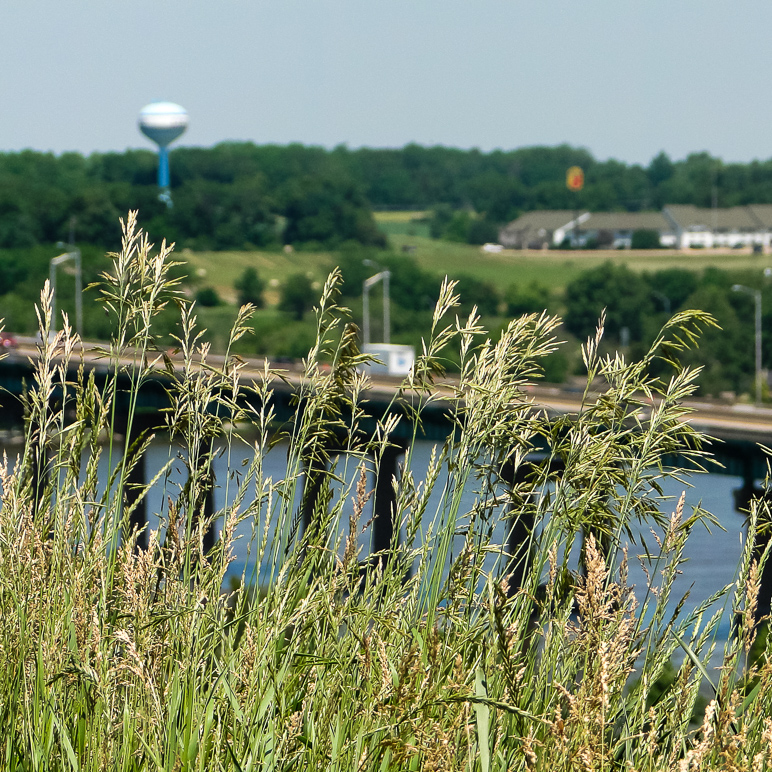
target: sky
<point>623,79</point>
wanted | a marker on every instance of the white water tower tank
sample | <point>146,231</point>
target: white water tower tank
<point>163,122</point>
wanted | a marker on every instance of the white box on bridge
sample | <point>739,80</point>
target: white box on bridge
<point>391,358</point>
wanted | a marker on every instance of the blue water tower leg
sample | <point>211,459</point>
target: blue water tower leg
<point>163,176</point>
<point>163,168</point>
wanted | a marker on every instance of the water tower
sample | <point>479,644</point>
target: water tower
<point>163,122</point>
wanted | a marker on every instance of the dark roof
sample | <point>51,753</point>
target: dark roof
<point>730,218</point>
<point>763,213</point>
<point>753,217</point>
<point>549,219</point>
<point>627,221</point>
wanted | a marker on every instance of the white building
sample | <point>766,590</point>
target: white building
<point>614,230</point>
<point>732,227</point>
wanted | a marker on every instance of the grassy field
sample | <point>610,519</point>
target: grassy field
<point>556,268</point>
<point>398,217</point>
<point>221,269</point>
<point>553,269</point>
<point>403,223</point>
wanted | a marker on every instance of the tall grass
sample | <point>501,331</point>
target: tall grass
<point>429,657</point>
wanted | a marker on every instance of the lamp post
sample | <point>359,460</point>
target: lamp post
<point>757,298</point>
<point>366,284</point>
<point>74,255</point>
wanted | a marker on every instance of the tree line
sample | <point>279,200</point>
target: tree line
<point>241,195</point>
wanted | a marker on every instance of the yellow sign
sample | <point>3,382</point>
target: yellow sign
<point>575,178</point>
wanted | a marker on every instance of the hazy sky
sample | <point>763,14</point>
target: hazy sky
<point>624,79</point>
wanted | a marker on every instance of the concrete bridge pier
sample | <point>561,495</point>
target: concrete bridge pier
<point>139,475</point>
<point>317,494</point>
<point>748,490</point>
<point>385,498</point>
<point>764,607</point>
<point>763,536</point>
<point>521,519</point>
<point>743,498</point>
<point>205,504</point>
<point>141,427</point>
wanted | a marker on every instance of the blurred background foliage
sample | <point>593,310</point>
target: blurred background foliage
<point>242,196</point>
<point>264,225</point>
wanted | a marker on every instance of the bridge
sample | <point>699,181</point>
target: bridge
<point>736,432</point>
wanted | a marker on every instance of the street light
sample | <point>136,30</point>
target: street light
<point>366,284</point>
<point>757,298</point>
<point>74,255</point>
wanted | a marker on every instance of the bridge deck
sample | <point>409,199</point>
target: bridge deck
<point>738,429</point>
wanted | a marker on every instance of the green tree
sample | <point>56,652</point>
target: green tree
<point>328,211</point>
<point>458,227</point>
<point>208,297</point>
<point>232,195</point>
<point>411,286</point>
<point>297,295</point>
<point>476,292</point>
<point>660,169</point>
<point>482,231</point>
<point>624,294</point>
<point>439,221</point>
<point>674,284</point>
<point>725,353</point>
<point>645,239</point>
<point>249,287</point>
<point>530,298</point>
<point>356,263</point>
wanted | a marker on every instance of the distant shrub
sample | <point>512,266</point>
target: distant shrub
<point>207,296</point>
<point>461,226</point>
<point>477,292</point>
<point>645,239</point>
<point>526,299</point>
<point>482,231</point>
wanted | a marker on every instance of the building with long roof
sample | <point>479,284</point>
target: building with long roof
<point>734,226</point>
<point>614,230</point>
<point>678,226</point>
<point>537,229</point>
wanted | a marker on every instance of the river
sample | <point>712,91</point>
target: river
<point>713,555</point>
